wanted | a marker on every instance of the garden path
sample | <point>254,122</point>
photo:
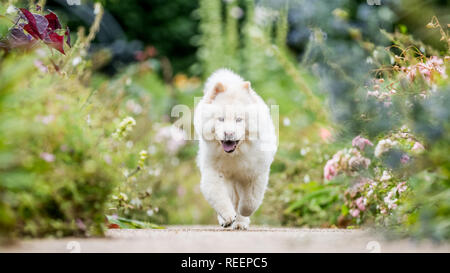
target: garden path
<point>216,239</point>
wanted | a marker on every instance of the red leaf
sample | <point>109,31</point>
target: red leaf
<point>32,32</point>
<point>31,26</point>
<point>37,24</point>
<point>67,34</point>
<point>111,226</point>
<point>53,21</point>
<point>17,38</point>
<point>28,15</point>
<point>43,28</point>
<point>56,41</point>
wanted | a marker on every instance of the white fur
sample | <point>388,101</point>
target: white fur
<point>234,183</point>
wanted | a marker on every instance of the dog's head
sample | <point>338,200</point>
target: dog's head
<point>229,117</point>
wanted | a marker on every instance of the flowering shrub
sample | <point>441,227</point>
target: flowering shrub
<point>379,193</point>
<point>125,126</point>
<point>433,65</point>
<point>385,190</point>
<point>348,161</point>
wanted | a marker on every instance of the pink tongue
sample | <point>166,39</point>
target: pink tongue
<point>228,145</point>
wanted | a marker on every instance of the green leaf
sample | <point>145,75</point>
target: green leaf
<point>130,223</point>
<point>308,198</point>
<point>403,28</point>
<point>344,210</point>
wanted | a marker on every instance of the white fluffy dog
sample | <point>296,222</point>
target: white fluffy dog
<point>236,148</point>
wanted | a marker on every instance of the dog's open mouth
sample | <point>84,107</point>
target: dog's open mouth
<point>229,145</point>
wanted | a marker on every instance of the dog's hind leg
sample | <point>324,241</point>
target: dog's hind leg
<point>216,191</point>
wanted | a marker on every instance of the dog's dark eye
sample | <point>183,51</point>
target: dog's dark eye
<point>238,119</point>
<point>221,119</point>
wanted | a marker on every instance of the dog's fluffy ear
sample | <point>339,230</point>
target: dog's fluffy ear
<point>247,86</point>
<point>218,88</point>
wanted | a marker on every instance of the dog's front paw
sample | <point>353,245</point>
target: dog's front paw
<point>227,220</point>
<point>240,225</point>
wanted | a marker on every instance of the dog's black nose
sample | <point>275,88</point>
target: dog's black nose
<point>229,136</point>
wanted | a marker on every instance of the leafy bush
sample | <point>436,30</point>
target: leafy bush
<point>63,148</point>
<point>316,204</point>
<point>54,179</point>
<point>407,164</point>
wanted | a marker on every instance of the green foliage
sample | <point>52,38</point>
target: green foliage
<point>60,159</point>
<point>212,54</point>
<point>130,224</point>
<point>170,26</point>
<point>54,180</point>
<point>427,212</point>
<point>316,204</point>
<point>404,183</point>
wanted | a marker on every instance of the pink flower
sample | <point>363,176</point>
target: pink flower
<point>418,147</point>
<point>390,199</point>
<point>107,159</point>
<point>410,73</point>
<point>433,64</point>
<point>404,159</point>
<point>356,162</point>
<point>401,187</point>
<point>41,66</point>
<point>361,142</point>
<point>181,191</point>
<point>354,213</point>
<point>425,70</point>
<point>81,225</point>
<point>438,65</point>
<point>330,170</point>
<point>325,134</point>
<point>360,204</point>
<point>172,136</point>
<point>387,103</point>
<point>47,157</point>
<point>45,119</point>
<point>375,93</point>
<point>48,119</point>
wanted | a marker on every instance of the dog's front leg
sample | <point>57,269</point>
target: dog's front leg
<point>214,188</point>
<point>251,195</point>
